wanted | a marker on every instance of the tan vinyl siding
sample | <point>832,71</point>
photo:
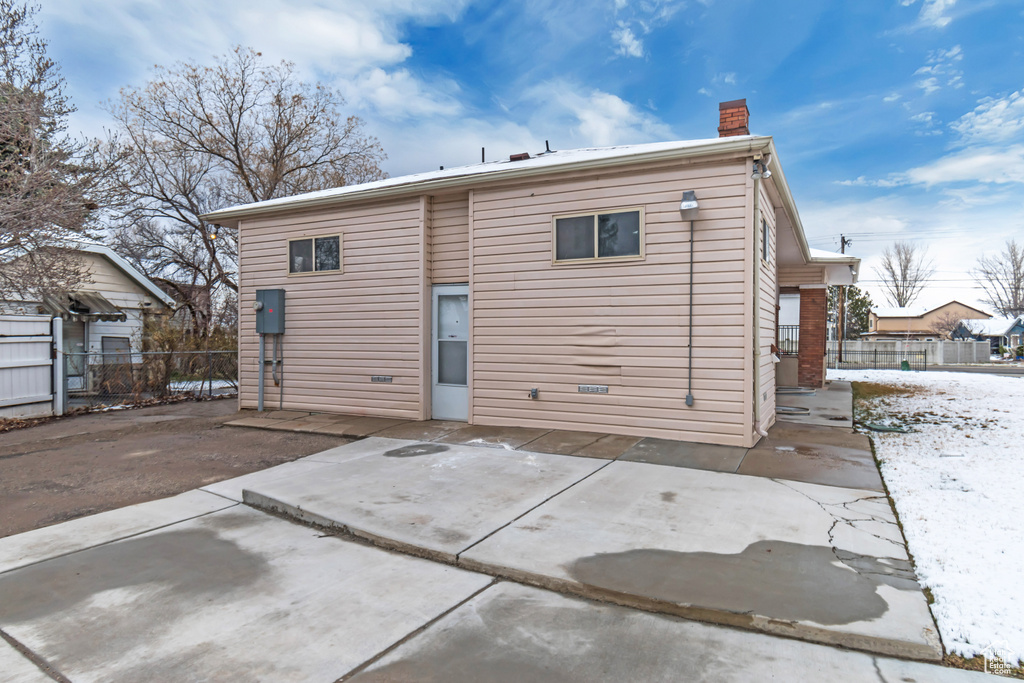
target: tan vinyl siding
<point>794,276</point>
<point>622,324</point>
<point>341,328</point>
<point>450,239</point>
<point>767,301</point>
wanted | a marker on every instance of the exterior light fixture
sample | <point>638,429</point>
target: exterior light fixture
<point>688,206</point>
<point>212,230</point>
<point>760,170</point>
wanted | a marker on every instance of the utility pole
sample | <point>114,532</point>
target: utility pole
<point>843,242</point>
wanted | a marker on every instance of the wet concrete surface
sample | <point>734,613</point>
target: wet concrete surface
<point>789,581</point>
<point>810,453</point>
<point>429,497</point>
<point>699,456</point>
<point>232,595</point>
<point>512,633</point>
<point>726,548</point>
<point>510,438</point>
<point>829,406</point>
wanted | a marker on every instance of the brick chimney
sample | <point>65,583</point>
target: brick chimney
<point>733,118</point>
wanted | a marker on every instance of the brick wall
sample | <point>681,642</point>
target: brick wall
<point>733,118</point>
<point>811,352</point>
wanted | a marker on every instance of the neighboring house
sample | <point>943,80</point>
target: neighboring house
<point>918,323</point>
<point>105,316</point>
<point>551,291</point>
<point>1005,332</point>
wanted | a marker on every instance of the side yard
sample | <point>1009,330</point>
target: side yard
<point>77,466</point>
<point>956,478</point>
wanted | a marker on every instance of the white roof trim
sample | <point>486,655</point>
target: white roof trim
<point>464,176</point>
<point>127,268</point>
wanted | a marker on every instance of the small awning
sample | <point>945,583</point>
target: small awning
<point>83,306</point>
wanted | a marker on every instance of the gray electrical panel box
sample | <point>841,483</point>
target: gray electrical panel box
<point>269,311</point>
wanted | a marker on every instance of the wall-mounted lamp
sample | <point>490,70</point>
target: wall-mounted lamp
<point>688,206</point>
<point>760,170</point>
<point>211,231</point>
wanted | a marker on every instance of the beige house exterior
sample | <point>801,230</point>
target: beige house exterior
<point>606,342</point>
<point>920,323</point>
<point>105,315</point>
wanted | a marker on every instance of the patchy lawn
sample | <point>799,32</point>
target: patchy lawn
<point>957,481</point>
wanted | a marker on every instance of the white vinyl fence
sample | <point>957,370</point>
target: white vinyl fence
<point>938,352</point>
<point>30,374</point>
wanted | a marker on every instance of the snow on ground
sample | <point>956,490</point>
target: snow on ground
<point>957,484</point>
<point>200,385</point>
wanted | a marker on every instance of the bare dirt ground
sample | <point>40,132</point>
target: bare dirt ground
<point>82,465</point>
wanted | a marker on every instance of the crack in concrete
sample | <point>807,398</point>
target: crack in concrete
<point>837,520</point>
<point>31,656</point>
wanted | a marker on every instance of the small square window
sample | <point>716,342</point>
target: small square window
<point>599,236</point>
<point>314,254</point>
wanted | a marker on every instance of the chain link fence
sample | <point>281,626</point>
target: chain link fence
<point>108,379</point>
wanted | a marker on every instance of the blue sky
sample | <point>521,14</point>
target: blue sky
<point>895,119</point>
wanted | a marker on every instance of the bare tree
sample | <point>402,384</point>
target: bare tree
<point>49,183</point>
<point>904,272</point>
<point>1002,278</point>
<point>199,138</point>
<point>948,323</point>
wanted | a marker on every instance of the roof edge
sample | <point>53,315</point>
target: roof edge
<point>231,216</point>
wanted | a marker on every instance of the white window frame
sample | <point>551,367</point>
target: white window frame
<point>595,258</point>
<point>313,238</point>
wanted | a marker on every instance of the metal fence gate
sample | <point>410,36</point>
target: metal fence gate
<point>30,379</point>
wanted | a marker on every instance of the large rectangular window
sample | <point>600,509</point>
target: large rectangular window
<point>599,236</point>
<point>314,254</point>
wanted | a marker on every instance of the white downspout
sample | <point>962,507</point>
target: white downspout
<point>758,427</point>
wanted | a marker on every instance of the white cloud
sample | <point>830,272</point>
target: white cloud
<point>993,120</point>
<point>593,117</point>
<point>941,70</point>
<point>628,44</point>
<point>398,94</point>
<point>704,91</point>
<point>934,13</point>
<point>891,98</point>
<point>997,165</point>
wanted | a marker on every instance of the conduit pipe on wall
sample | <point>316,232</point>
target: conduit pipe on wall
<point>688,210</point>
<point>758,427</point>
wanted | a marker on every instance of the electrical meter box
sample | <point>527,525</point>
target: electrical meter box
<point>269,311</point>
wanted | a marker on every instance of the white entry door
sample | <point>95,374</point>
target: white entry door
<point>450,349</point>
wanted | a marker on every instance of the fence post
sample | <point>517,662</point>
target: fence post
<point>209,374</point>
<point>58,382</point>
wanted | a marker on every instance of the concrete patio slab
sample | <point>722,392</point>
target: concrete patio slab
<point>34,546</point>
<point>516,633</point>
<point>810,453</point>
<point>425,498</point>
<point>508,438</point>
<point>700,456</point>
<point>258,422</point>
<point>608,447</point>
<point>745,551</point>
<point>562,442</point>
<point>359,427</point>
<point>421,431</point>
<point>830,406</point>
<point>232,488</point>
<point>234,594</point>
<point>16,668</point>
